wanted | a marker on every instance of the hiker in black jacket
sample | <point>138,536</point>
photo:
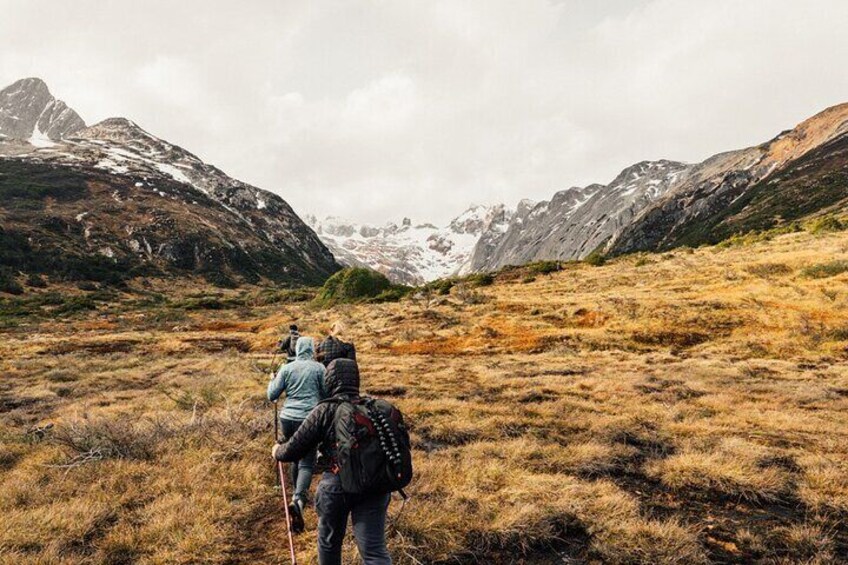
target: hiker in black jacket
<point>333,505</point>
<point>333,347</point>
<point>289,345</point>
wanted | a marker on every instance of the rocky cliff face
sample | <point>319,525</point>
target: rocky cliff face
<point>661,204</point>
<point>692,208</point>
<point>115,195</point>
<point>577,221</point>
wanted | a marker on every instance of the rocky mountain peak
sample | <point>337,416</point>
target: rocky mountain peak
<point>118,130</point>
<point>28,111</point>
<point>143,201</point>
<point>654,169</point>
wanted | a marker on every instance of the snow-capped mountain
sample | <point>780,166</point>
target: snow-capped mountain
<point>657,205</point>
<point>28,111</point>
<point>408,252</point>
<point>117,192</point>
<point>736,191</point>
<point>576,221</point>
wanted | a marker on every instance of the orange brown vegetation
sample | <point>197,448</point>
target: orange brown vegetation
<point>691,408</point>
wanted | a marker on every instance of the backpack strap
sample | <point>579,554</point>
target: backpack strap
<point>339,399</point>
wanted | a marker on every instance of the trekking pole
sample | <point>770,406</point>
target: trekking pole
<point>282,475</point>
<point>286,506</point>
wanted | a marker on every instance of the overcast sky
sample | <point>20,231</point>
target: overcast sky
<point>375,110</point>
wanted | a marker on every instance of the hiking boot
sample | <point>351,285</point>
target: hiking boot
<point>296,514</point>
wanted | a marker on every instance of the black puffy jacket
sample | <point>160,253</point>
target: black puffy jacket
<point>341,381</point>
<point>332,348</point>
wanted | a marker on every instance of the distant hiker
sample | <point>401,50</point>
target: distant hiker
<point>303,383</point>
<point>333,347</point>
<point>367,445</point>
<point>289,345</point>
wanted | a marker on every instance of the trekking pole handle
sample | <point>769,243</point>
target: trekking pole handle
<point>286,507</point>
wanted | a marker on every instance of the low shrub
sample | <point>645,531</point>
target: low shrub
<point>8,283</point>
<point>766,270</point>
<point>220,279</point>
<point>480,279</point>
<point>825,270</point>
<point>268,297</point>
<point>93,440</point>
<point>642,261</point>
<point>441,287</point>
<point>755,236</point>
<point>35,280</point>
<point>75,304</point>
<point>356,284</point>
<point>596,259</point>
<point>397,292</point>
<point>826,224</point>
<point>544,267</point>
<point>214,302</point>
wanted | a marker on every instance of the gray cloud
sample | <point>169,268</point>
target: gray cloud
<point>379,109</point>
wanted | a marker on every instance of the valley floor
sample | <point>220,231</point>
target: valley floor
<point>689,407</point>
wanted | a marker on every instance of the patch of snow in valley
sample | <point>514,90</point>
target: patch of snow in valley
<point>40,139</point>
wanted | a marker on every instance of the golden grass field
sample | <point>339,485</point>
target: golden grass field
<point>689,407</point>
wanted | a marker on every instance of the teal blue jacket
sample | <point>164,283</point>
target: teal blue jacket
<point>302,380</point>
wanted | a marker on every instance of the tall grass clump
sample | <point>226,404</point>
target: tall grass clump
<point>825,270</point>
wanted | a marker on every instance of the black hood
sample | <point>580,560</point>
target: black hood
<point>342,377</point>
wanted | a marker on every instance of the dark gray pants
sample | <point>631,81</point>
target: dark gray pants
<point>301,471</point>
<point>368,514</point>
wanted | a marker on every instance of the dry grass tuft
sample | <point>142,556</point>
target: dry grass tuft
<point>734,468</point>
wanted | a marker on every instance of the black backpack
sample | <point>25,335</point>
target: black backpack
<point>372,446</point>
<point>292,349</point>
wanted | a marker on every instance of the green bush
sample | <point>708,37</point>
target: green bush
<point>758,236</point>
<point>642,261</point>
<point>595,259</point>
<point>440,286</point>
<point>480,279</point>
<point>36,281</point>
<point>393,294</point>
<point>8,282</point>
<point>270,296</point>
<point>353,284</point>
<point>826,224</point>
<point>220,279</point>
<point>46,304</point>
<point>214,302</point>
<point>825,270</point>
<point>544,267</point>
<point>75,304</point>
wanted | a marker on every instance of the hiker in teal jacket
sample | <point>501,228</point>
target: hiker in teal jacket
<point>303,382</point>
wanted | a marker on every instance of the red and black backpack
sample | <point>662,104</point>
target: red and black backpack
<point>372,446</point>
